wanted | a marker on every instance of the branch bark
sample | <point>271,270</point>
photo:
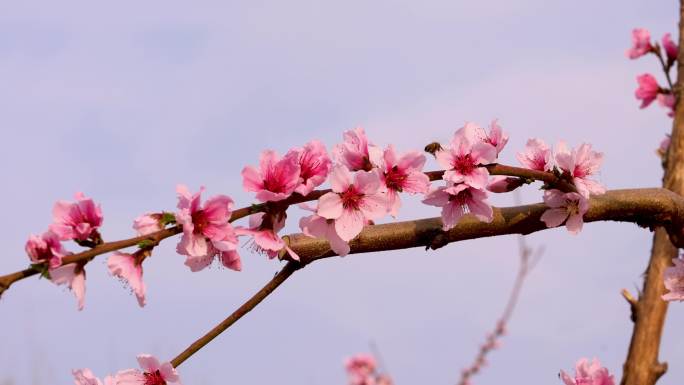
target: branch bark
<point>643,366</point>
<point>645,207</point>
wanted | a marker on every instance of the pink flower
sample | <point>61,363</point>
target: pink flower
<point>86,377</point>
<point>316,226</point>
<point>503,184</point>
<point>404,174</point>
<point>126,267</point>
<point>79,220</point>
<point>496,136</point>
<point>641,43</point>
<point>674,281</point>
<point>153,373</point>
<point>314,165</point>
<point>276,178</point>
<point>464,156</point>
<point>206,230</point>
<point>588,374</point>
<point>147,223</point>
<point>671,48</point>
<point>264,228</point>
<point>667,101</point>
<point>356,153</point>
<point>361,369</point>
<point>45,249</point>
<point>565,206</point>
<point>352,203</point>
<point>648,89</point>
<point>580,164</point>
<point>73,276</point>
<point>664,146</point>
<point>536,156</point>
<point>458,200</point>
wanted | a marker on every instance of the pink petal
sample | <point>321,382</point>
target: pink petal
<point>574,223</point>
<point>349,224</point>
<point>340,178</point>
<point>367,182</point>
<point>231,260</point>
<point>251,179</point>
<point>148,362</point>
<point>330,206</point>
<point>373,206</point>
<point>554,217</point>
<point>451,215</point>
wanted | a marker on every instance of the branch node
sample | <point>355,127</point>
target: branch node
<point>633,303</point>
<point>659,369</point>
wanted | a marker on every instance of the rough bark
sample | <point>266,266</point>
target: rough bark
<point>643,366</point>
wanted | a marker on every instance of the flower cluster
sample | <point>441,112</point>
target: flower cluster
<point>362,370</point>
<point>649,90</point>
<point>78,221</point>
<point>587,373</point>
<point>153,373</point>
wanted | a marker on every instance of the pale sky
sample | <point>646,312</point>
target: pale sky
<point>124,100</point>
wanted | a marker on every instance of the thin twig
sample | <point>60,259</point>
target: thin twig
<point>527,256</point>
<point>273,284</point>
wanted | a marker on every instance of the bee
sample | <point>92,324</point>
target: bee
<point>433,148</point>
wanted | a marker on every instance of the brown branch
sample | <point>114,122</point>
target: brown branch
<point>646,207</point>
<point>643,206</point>
<point>273,284</point>
<point>642,365</point>
<point>83,257</point>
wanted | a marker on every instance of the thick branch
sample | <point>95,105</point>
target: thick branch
<point>642,366</point>
<point>646,207</point>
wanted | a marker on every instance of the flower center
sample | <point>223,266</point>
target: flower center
<point>154,378</point>
<point>572,207</point>
<point>464,164</point>
<point>462,199</point>
<point>394,179</point>
<point>351,198</point>
<point>200,221</point>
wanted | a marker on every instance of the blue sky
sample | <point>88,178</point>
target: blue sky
<point>125,100</point>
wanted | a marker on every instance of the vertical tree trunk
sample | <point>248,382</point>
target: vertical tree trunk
<point>642,366</point>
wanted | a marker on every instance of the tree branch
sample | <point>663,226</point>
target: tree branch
<point>495,169</point>
<point>273,284</point>
<point>645,207</point>
<point>642,366</point>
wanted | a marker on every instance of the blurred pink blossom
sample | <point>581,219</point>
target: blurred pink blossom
<point>86,377</point>
<point>641,43</point>
<point>588,374</point>
<point>45,249</point>
<point>76,220</point>
<point>673,278</point>
<point>671,48</point>
<point>153,373</point>
<point>648,89</point>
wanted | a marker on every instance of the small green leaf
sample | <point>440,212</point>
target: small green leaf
<point>145,244</point>
<point>167,218</point>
